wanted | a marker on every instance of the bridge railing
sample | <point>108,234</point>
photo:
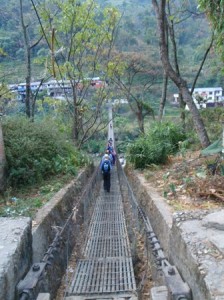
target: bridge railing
<point>46,275</point>
<point>138,223</point>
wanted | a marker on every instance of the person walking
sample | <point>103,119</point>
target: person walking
<point>112,153</point>
<point>107,152</point>
<point>106,167</point>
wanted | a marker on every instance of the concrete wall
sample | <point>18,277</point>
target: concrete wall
<point>15,254</point>
<point>159,213</point>
<point>55,212</point>
<point>187,263</point>
<point>50,219</point>
<point>21,245</point>
<point>189,241</point>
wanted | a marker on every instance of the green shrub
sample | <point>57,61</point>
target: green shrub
<point>94,146</point>
<point>155,146</point>
<point>212,118</point>
<point>35,151</point>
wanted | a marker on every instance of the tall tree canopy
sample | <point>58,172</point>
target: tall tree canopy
<point>141,73</point>
<point>80,36</point>
<point>215,12</point>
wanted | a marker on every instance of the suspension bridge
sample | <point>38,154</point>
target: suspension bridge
<point>105,269</point>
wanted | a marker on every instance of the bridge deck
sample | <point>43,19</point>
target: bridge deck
<point>106,271</point>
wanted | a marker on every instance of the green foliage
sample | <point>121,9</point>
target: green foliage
<point>154,147</point>
<point>94,146</point>
<point>30,198</point>
<point>128,129</point>
<point>215,13</point>
<point>4,94</point>
<point>82,41</point>
<point>35,151</point>
<point>213,118</point>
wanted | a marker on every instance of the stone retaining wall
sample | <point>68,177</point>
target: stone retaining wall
<point>50,219</point>
<point>189,240</point>
<point>15,254</point>
<point>55,212</point>
<point>159,213</point>
<point>23,242</point>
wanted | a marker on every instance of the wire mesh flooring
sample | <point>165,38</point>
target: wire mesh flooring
<point>106,272</point>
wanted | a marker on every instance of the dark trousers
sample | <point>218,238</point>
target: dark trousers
<point>106,182</point>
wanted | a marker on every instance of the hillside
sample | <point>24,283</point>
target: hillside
<point>137,33</point>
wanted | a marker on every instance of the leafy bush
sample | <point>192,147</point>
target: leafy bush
<point>35,151</point>
<point>155,146</point>
<point>213,118</point>
<point>94,146</point>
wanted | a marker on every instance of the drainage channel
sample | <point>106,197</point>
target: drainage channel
<point>106,271</point>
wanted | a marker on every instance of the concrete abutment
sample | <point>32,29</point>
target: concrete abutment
<point>24,242</point>
<point>192,240</point>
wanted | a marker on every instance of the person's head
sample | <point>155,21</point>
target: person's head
<point>106,156</point>
<point>107,151</point>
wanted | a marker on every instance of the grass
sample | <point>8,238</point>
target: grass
<point>26,201</point>
<point>15,71</point>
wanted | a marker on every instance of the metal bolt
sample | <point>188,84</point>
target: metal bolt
<point>171,271</point>
<point>36,268</point>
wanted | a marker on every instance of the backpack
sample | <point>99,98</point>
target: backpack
<point>110,149</point>
<point>106,166</point>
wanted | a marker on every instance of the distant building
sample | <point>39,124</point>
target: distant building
<point>57,88</point>
<point>206,97</point>
<point>120,101</point>
<point>21,89</point>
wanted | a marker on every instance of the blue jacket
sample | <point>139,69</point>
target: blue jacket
<point>102,161</point>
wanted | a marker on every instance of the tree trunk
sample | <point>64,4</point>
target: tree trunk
<point>75,118</point>
<point>75,128</point>
<point>182,111</point>
<point>2,162</point>
<point>28,63</point>
<point>198,122</point>
<point>140,121</point>
<point>163,98</point>
<point>177,69</point>
<point>165,83</point>
<point>28,96</point>
<point>177,79</point>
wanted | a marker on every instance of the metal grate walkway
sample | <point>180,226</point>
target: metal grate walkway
<point>106,272</point>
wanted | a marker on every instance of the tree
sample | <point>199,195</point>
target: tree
<point>81,37</point>
<point>175,17</point>
<point>5,95</point>
<point>137,81</point>
<point>29,97</point>
<point>163,97</point>
<point>164,89</point>
<point>2,162</point>
<point>160,10</point>
<point>215,13</point>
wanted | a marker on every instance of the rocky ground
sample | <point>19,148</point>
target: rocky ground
<point>190,182</point>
